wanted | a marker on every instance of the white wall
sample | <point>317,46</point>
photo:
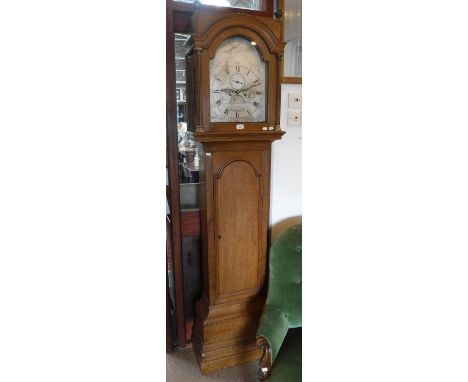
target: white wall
<point>286,171</point>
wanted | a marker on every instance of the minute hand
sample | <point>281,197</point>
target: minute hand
<point>256,83</point>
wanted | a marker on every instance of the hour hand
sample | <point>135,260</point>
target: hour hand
<point>225,90</point>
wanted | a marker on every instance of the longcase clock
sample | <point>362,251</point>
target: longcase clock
<point>233,84</point>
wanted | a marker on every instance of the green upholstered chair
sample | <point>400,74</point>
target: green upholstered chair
<point>280,328</point>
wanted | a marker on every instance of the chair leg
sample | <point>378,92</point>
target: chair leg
<point>264,366</point>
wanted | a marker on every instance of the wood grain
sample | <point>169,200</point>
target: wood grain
<point>235,196</point>
<point>237,227</point>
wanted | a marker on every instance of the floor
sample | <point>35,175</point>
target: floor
<point>181,366</point>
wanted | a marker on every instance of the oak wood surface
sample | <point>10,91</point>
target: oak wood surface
<point>291,80</point>
<point>238,240</point>
<point>235,196</point>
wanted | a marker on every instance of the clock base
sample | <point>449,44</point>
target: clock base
<point>237,355</point>
<point>224,334</point>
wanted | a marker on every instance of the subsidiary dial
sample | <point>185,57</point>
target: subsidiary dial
<point>237,81</point>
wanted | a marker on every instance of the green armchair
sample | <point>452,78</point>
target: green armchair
<point>280,328</point>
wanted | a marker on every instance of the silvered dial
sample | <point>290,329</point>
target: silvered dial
<point>237,83</point>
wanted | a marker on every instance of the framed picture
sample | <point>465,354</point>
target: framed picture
<point>178,94</point>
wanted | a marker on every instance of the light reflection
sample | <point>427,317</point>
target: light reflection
<point>219,3</point>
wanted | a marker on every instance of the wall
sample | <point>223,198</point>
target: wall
<point>286,171</point>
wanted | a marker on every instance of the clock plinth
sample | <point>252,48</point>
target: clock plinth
<point>224,335</point>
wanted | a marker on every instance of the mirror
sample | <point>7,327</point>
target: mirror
<point>292,24</point>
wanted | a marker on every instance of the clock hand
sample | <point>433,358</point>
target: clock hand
<point>239,91</point>
<point>230,91</point>
<point>225,90</point>
<point>256,83</point>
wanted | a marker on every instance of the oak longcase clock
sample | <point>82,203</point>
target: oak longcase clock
<point>234,101</point>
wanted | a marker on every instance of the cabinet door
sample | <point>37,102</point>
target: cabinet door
<point>239,224</point>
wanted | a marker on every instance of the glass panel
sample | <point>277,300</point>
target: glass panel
<point>187,146</point>
<point>191,259</point>
<point>293,38</point>
<point>189,153</point>
<point>244,4</point>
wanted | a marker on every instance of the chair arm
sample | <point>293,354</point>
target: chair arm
<point>271,332</point>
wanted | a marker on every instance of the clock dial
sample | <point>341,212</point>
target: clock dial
<point>237,83</point>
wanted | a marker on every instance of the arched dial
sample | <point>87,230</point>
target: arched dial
<point>237,83</point>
